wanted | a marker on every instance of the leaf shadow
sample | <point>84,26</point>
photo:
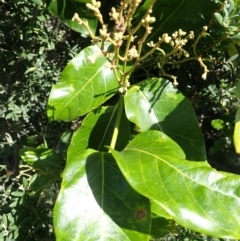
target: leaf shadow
<point>51,112</point>
<point>108,93</point>
<point>156,93</point>
<point>181,124</point>
<point>185,133</point>
<point>122,204</point>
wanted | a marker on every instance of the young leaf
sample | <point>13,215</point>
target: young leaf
<point>85,84</point>
<point>194,194</point>
<point>96,131</point>
<point>156,104</point>
<point>96,203</point>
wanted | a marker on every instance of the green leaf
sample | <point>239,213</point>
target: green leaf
<point>65,9</point>
<point>38,2</point>
<point>42,181</point>
<point>217,124</point>
<point>219,18</point>
<point>159,210</point>
<point>194,194</point>
<point>233,51</point>
<point>157,104</point>
<point>160,227</point>
<point>96,203</point>
<point>218,145</point>
<point>42,159</point>
<point>86,83</point>
<point>17,193</point>
<point>96,131</point>
<point>238,90</point>
<point>64,141</point>
<point>172,15</point>
<point>236,133</point>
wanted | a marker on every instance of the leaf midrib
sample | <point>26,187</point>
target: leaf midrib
<point>182,173</point>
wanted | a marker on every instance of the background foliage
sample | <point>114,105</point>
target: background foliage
<point>34,48</point>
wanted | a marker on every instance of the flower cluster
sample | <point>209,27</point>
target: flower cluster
<point>124,32</point>
<point>95,7</point>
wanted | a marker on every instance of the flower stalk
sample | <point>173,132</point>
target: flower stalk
<point>126,49</point>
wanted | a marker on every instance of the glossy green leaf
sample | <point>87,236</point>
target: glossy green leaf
<point>96,203</point>
<point>42,159</point>
<point>157,104</point>
<point>194,194</point>
<point>172,15</point>
<point>86,83</point>
<point>65,9</point>
<point>236,133</point>
<point>96,131</point>
<point>157,209</point>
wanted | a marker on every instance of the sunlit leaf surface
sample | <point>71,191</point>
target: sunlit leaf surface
<point>194,194</point>
<point>86,83</point>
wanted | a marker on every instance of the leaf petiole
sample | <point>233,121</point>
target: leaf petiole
<point>117,123</point>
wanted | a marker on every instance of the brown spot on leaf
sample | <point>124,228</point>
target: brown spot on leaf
<point>141,213</point>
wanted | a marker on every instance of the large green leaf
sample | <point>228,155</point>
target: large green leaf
<point>157,104</point>
<point>85,84</point>
<point>96,131</point>
<point>194,194</point>
<point>96,203</point>
<point>65,9</point>
<point>172,15</point>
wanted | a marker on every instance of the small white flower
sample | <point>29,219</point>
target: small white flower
<point>133,53</point>
<point>166,38</point>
